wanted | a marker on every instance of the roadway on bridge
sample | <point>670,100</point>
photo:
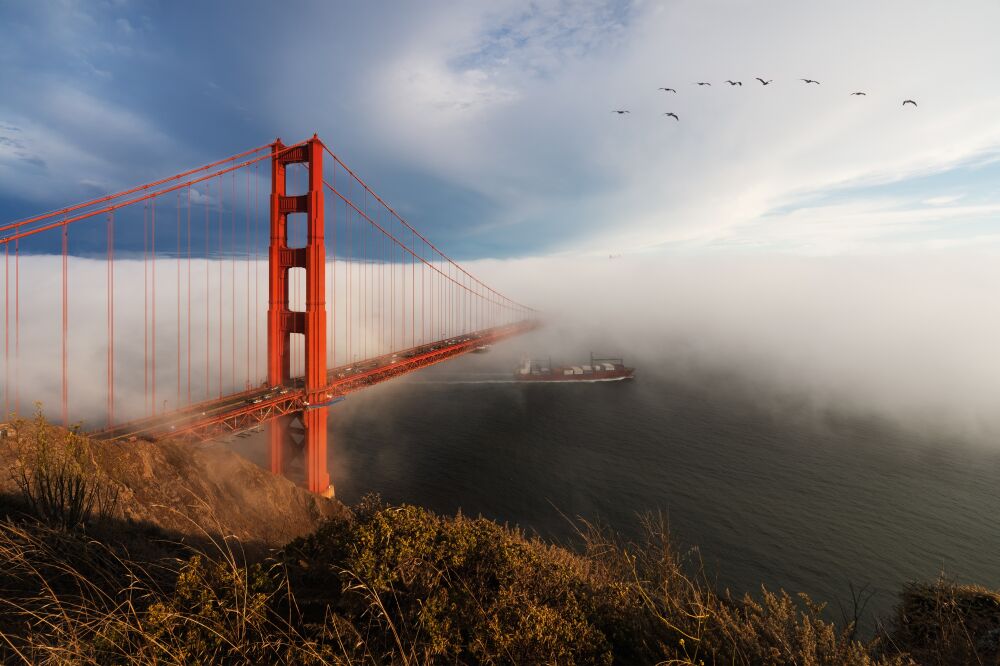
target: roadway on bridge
<point>259,405</point>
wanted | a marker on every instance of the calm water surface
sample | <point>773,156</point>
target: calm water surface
<point>770,493</point>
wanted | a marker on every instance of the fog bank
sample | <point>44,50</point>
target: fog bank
<point>909,338</point>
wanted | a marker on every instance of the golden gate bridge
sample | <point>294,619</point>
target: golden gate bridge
<point>237,331</point>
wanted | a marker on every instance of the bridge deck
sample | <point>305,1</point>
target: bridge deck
<point>248,409</point>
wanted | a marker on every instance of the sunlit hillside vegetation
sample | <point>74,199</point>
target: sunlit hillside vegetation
<point>84,580</point>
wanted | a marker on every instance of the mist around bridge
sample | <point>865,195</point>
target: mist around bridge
<point>910,339</point>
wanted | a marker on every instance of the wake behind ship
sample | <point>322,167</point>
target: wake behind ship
<point>598,370</point>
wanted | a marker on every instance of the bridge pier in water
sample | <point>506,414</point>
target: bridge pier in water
<point>303,432</point>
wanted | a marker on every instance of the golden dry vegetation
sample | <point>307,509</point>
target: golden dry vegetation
<point>90,575</point>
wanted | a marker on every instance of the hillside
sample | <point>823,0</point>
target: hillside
<point>167,553</point>
<point>179,488</point>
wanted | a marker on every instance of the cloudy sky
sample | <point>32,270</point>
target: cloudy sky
<point>489,125</point>
<point>835,245</point>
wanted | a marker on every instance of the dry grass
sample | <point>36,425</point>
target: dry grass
<point>394,585</point>
<point>946,623</point>
<point>57,476</point>
<point>69,599</point>
<point>420,588</point>
<point>401,585</point>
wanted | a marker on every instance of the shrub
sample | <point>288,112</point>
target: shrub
<point>68,599</point>
<point>428,589</point>
<point>52,471</point>
<point>946,623</point>
<point>399,584</point>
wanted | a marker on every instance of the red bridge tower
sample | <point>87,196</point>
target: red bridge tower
<point>303,431</point>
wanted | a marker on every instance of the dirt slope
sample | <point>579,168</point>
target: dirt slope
<point>179,487</point>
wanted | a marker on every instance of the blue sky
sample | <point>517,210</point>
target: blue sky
<point>488,124</point>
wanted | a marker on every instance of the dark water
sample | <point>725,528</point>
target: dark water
<point>770,492</point>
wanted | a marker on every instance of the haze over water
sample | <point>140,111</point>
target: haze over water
<point>771,492</point>
<point>806,424</point>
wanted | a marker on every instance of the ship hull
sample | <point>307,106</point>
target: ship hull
<point>552,378</point>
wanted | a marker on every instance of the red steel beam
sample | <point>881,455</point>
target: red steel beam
<point>214,417</point>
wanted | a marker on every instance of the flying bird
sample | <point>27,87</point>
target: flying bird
<point>858,93</point>
<point>619,111</point>
<point>672,115</point>
<point>763,82</point>
<point>809,81</point>
<point>909,101</point>
<point>667,90</point>
<point>734,83</point>
<point>702,83</point>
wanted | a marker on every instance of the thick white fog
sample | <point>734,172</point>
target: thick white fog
<point>211,311</point>
<point>910,338</point>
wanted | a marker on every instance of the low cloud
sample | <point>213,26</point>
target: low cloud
<point>909,338</point>
<point>942,200</point>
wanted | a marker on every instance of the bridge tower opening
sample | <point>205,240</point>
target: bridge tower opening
<point>305,431</point>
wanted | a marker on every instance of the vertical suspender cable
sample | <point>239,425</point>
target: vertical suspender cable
<point>332,298</point>
<point>246,251</point>
<point>152,325</point>
<point>400,282</point>
<point>189,295</point>
<point>256,262</point>
<point>362,302</point>
<point>379,282</point>
<point>6,330</point>
<point>385,288</point>
<point>111,319</point>
<point>413,291</point>
<point>443,299</point>
<point>232,253</point>
<point>178,403</point>
<point>392,294</point>
<point>347,296</point>
<point>208,316</point>
<point>431,310</point>
<point>365,229</point>
<point>423,297</point>
<point>65,324</point>
<point>333,278</point>
<point>17,326</point>
<point>145,306</point>
<point>222,187</point>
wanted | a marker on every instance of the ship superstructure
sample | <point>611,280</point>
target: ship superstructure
<point>599,369</point>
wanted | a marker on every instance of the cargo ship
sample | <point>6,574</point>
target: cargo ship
<point>598,370</point>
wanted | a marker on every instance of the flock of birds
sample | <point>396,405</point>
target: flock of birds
<point>732,83</point>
